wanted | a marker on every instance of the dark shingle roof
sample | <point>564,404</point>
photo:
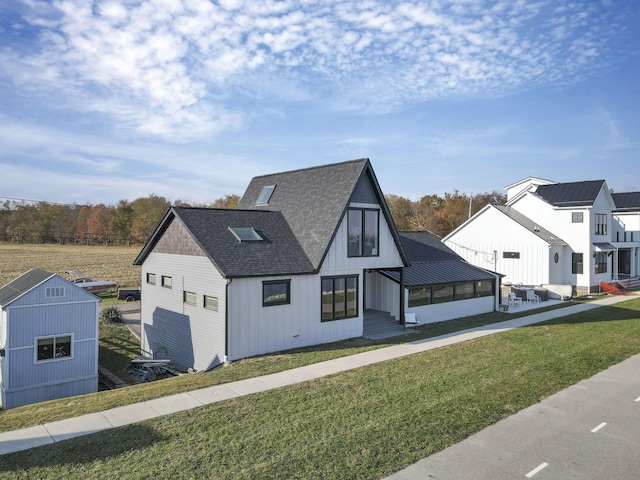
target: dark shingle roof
<point>530,225</point>
<point>313,201</point>
<point>574,194</point>
<point>432,262</point>
<point>280,254</point>
<point>627,201</point>
<point>22,284</point>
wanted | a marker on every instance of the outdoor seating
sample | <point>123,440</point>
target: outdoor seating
<point>514,299</point>
<point>410,320</point>
<point>532,297</point>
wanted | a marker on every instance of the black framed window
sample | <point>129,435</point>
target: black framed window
<point>442,293</point>
<point>419,296</point>
<point>339,298</point>
<point>364,232</point>
<point>601,224</point>
<point>462,291</point>
<point>276,292</point>
<point>484,288</point>
<point>577,263</point>
<point>601,262</point>
<point>510,254</point>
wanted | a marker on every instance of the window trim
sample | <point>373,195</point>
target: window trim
<point>333,278</point>
<point>286,301</point>
<point>54,338</point>
<point>363,228</point>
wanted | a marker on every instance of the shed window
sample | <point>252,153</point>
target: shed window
<point>276,292</point>
<point>265,195</point>
<point>510,254</point>
<point>51,292</point>
<point>51,348</point>
<point>246,234</point>
<point>151,278</point>
<point>166,281</point>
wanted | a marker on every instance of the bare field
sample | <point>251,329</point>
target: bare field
<point>98,262</point>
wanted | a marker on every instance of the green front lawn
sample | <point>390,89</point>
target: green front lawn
<point>365,423</point>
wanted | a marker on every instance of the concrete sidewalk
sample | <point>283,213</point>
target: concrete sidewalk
<point>58,431</point>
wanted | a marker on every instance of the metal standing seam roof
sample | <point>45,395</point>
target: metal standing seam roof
<point>573,194</point>
<point>627,201</point>
<point>530,225</point>
<point>23,284</point>
<point>432,262</point>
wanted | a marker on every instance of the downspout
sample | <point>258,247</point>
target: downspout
<point>226,320</point>
<point>401,295</point>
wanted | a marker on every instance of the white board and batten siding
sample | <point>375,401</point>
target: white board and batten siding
<point>255,330</point>
<point>35,315</point>
<point>189,335</point>
<point>441,312</point>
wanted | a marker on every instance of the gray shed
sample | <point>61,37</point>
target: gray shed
<point>48,339</point>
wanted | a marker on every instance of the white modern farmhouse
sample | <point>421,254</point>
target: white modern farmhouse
<point>304,259</point>
<point>552,233</point>
<point>48,339</point>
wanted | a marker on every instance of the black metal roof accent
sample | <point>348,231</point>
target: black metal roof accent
<point>626,201</point>
<point>432,263</point>
<point>574,194</point>
<point>22,284</point>
<point>530,225</point>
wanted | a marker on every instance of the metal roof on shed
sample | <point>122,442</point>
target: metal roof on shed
<point>22,284</point>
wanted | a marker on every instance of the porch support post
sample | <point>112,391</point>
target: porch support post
<point>401,296</point>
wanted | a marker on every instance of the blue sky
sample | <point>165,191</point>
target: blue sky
<point>109,100</point>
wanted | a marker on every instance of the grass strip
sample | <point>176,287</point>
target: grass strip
<point>361,424</point>
<point>117,347</point>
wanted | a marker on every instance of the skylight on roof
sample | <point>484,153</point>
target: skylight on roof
<point>265,195</point>
<point>246,234</point>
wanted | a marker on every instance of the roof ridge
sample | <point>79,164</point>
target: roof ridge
<point>315,167</point>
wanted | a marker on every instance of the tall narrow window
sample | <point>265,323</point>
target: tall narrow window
<point>363,232</point>
<point>601,262</point>
<point>576,263</point>
<point>601,224</point>
<point>339,298</point>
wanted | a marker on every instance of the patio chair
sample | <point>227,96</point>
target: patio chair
<point>410,320</point>
<point>532,297</point>
<point>514,299</point>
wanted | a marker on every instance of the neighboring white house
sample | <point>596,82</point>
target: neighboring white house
<point>48,339</point>
<point>298,263</point>
<point>555,234</point>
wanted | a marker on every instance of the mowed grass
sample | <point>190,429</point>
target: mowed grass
<point>365,423</point>
<point>111,263</point>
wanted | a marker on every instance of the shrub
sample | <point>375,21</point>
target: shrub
<point>111,314</point>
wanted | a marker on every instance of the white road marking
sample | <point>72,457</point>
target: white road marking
<point>537,469</point>
<point>598,427</point>
<point>637,399</point>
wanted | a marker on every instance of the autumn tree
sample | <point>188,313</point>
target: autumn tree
<point>146,214</point>
<point>121,221</point>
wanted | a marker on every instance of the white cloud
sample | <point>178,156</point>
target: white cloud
<point>176,69</point>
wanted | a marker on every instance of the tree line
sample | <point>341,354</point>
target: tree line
<point>133,222</point>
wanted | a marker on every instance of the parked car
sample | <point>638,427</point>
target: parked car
<point>128,294</point>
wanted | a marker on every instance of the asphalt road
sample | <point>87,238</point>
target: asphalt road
<point>590,431</point>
